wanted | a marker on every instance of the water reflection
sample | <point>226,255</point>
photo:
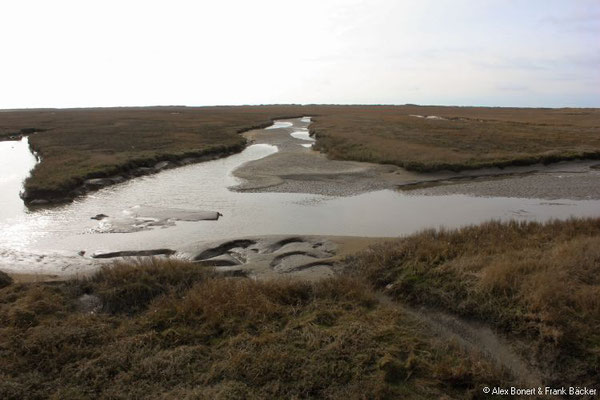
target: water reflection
<point>302,135</point>
<point>280,124</point>
<point>70,229</point>
<point>16,161</point>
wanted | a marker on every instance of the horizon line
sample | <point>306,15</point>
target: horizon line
<point>288,105</point>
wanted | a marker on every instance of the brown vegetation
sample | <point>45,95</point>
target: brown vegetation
<point>162,328</point>
<point>537,283</point>
<point>169,329</point>
<point>467,137</point>
<point>79,144</point>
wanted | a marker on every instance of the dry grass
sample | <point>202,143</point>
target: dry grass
<point>128,287</point>
<point>208,337</point>
<point>89,143</point>
<point>171,329</point>
<point>468,137</point>
<point>538,283</point>
<point>79,144</point>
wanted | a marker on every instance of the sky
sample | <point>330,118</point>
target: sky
<point>526,53</point>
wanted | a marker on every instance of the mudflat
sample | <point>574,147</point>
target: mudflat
<point>295,168</point>
<point>568,180</point>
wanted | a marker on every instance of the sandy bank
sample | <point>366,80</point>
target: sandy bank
<point>577,180</point>
<point>308,257</point>
<point>298,169</point>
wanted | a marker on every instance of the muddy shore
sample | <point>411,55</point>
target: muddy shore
<point>307,257</point>
<point>299,169</point>
<point>132,169</point>
<point>289,166</point>
<point>565,180</point>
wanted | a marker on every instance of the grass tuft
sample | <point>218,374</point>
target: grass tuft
<point>128,287</point>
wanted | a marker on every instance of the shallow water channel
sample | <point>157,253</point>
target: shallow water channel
<point>41,240</point>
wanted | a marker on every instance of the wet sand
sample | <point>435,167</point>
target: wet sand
<point>572,180</point>
<point>299,169</point>
<point>296,168</point>
<point>309,257</point>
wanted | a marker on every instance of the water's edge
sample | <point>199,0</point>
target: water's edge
<point>132,169</point>
<point>164,211</point>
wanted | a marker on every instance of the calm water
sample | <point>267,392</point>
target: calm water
<point>16,160</point>
<point>67,229</point>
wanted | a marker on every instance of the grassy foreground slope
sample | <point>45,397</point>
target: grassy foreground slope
<point>537,283</point>
<point>467,137</point>
<point>169,329</point>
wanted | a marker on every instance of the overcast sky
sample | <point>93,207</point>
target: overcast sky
<point>456,52</point>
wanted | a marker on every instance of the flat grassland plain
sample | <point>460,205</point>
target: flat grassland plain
<point>458,138</point>
<point>79,144</point>
<point>171,329</point>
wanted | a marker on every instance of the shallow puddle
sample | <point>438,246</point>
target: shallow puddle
<point>302,135</point>
<point>280,124</point>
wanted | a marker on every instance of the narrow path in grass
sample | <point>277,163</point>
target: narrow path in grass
<point>474,337</point>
